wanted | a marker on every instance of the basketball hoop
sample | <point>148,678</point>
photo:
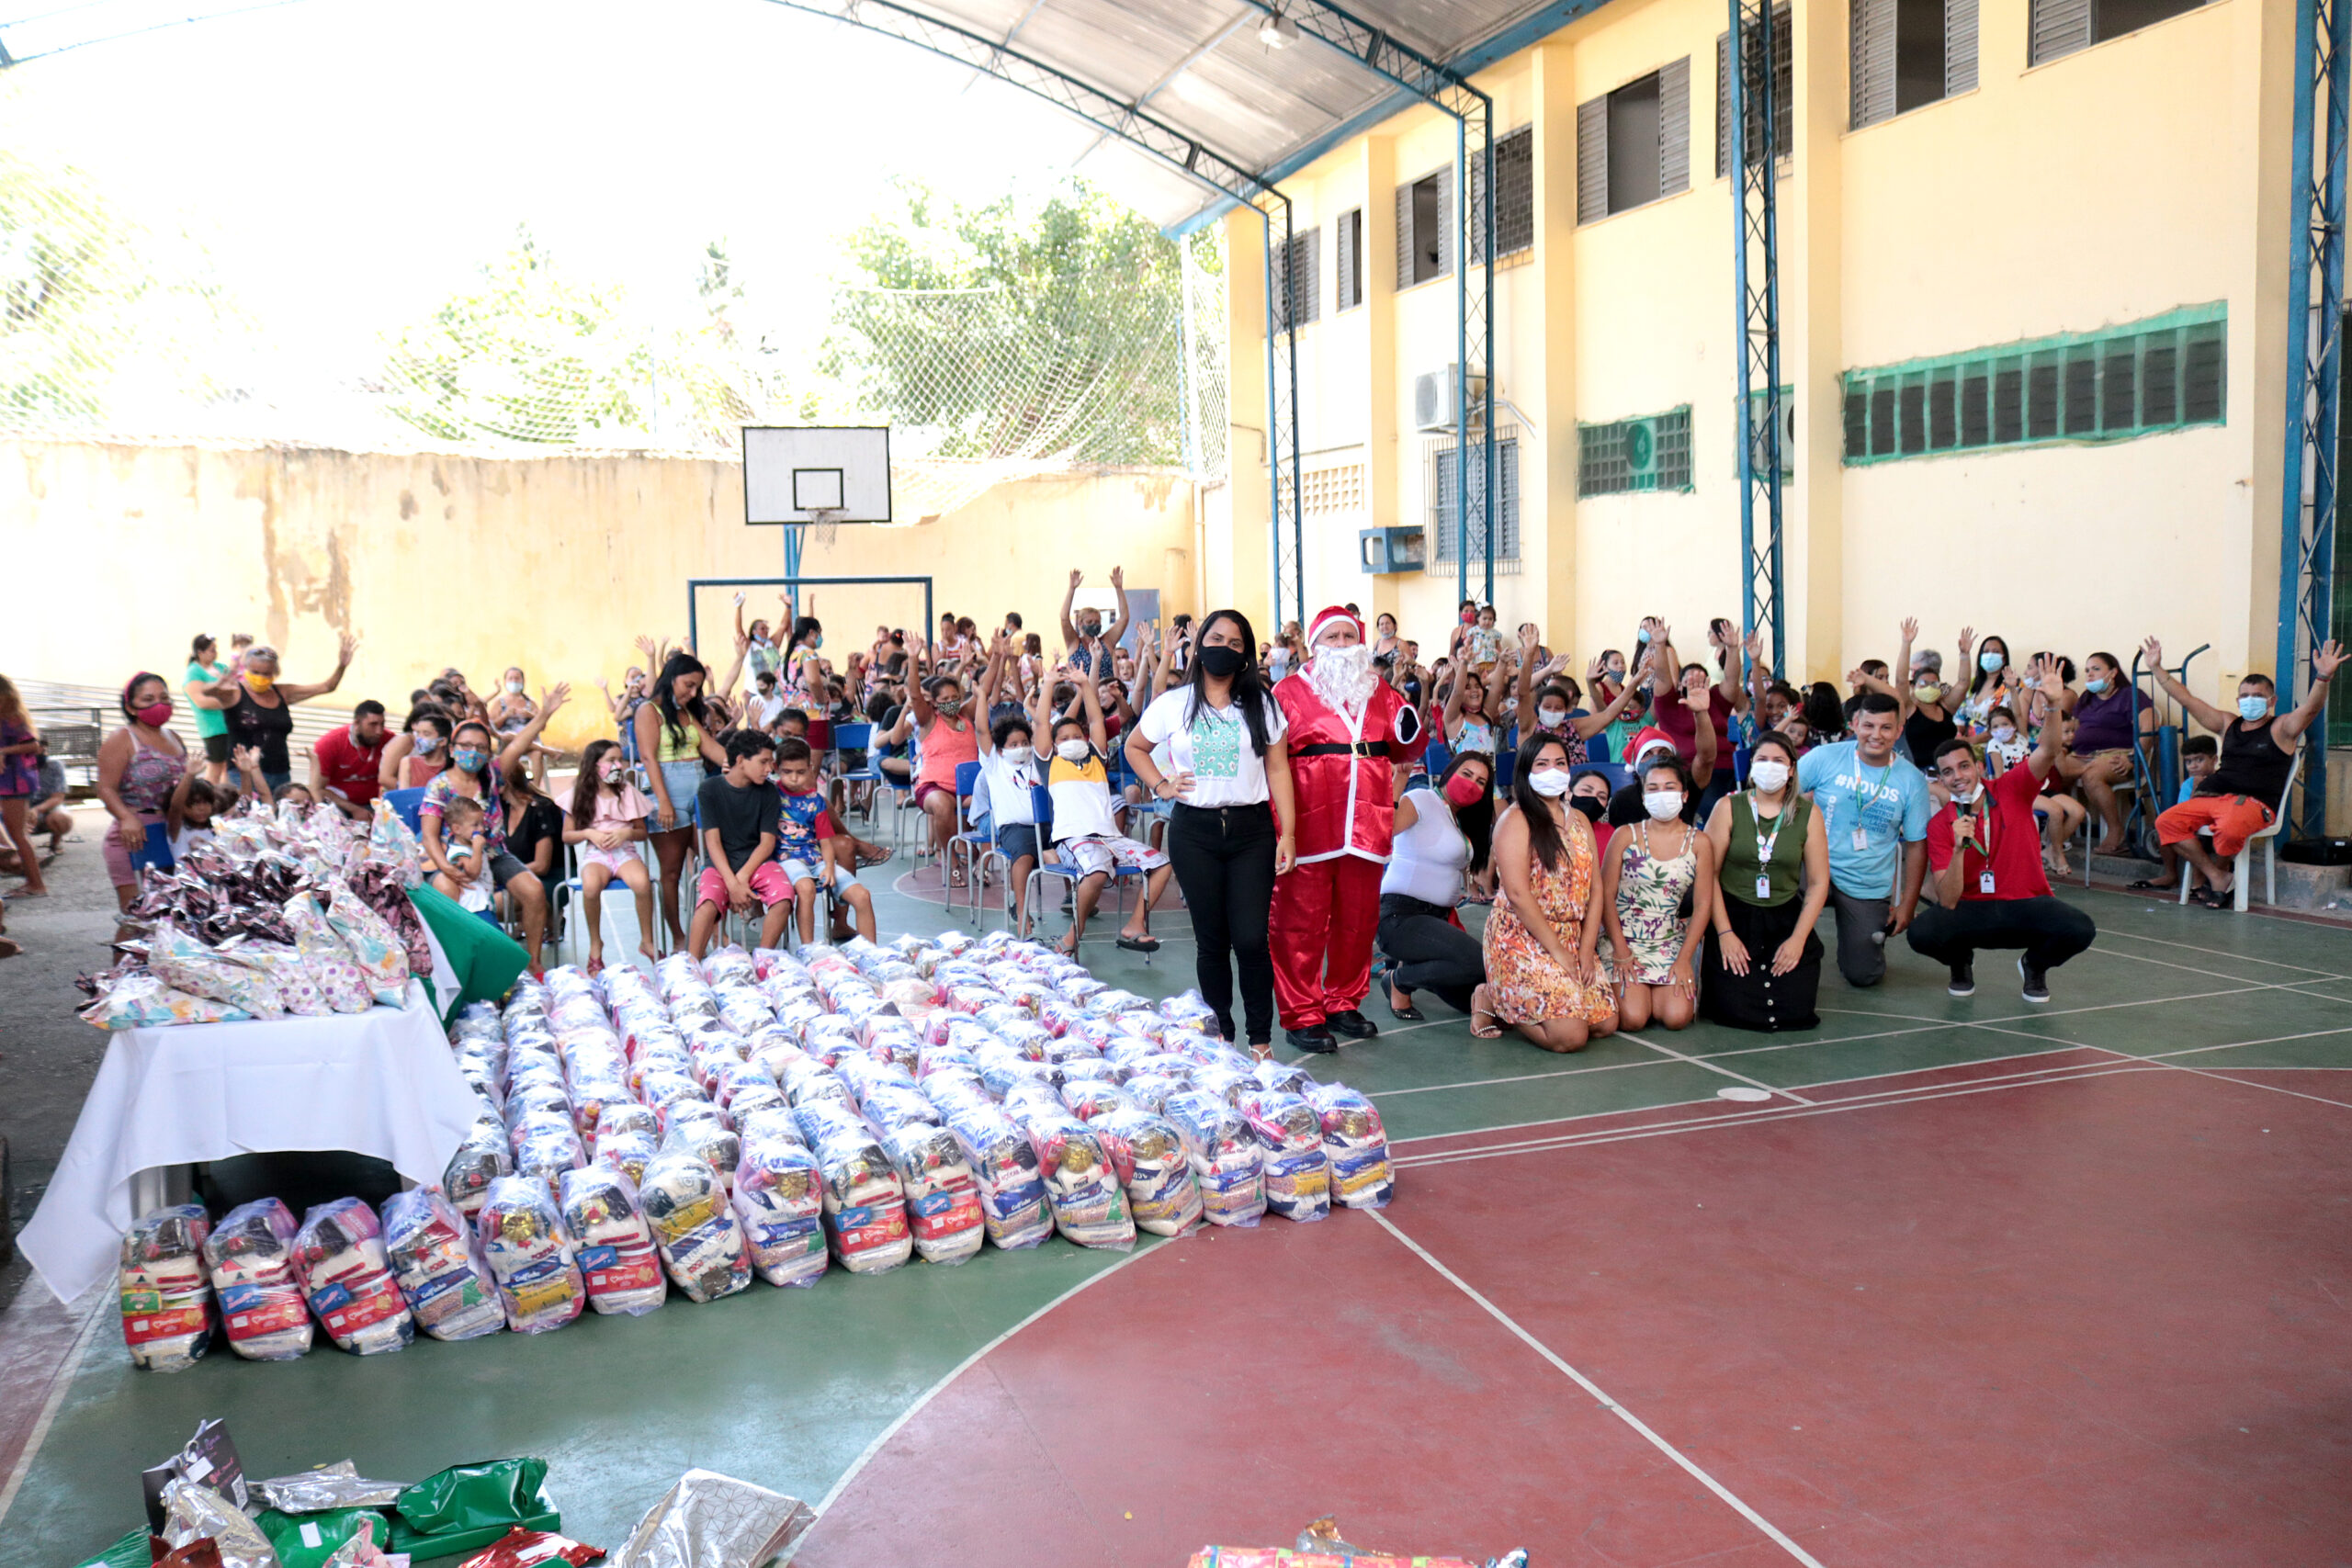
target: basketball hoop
<point>826,525</point>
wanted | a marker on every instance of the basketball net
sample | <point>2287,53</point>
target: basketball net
<point>824,527</point>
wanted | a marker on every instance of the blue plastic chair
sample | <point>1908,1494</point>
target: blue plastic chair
<point>1505,765</point>
<point>405,804</point>
<point>1436,760</point>
<point>1053,865</point>
<point>979,849</point>
<point>1598,750</point>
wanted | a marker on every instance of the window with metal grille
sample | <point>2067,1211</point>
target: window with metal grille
<point>1648,453</point>
<point>1347,243</point>
<point>1515,200</point>
<point>1784,96</point>
<point>1446,496</point>
<point>2060,27</point>
<point>1904,53</point>
<point>1425,228</point>
<point>1634,145</point>
<point>1296,298</point>
<point>2142,379</point>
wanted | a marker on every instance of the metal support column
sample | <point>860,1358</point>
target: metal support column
<point>1286,527</point>
<point>2314,370</point>
<point>1756,285</point>
<point>1473,111</point>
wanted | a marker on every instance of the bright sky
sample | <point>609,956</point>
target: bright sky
<point>348,163</point>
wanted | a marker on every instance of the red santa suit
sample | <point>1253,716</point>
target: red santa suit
<point>1326,909</point>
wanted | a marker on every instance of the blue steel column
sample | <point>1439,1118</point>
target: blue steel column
<point>1756,246</point>
<point>2314,358</point>
<point>1282,433</point>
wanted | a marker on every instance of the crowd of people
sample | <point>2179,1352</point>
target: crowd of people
<point>1655,837</point>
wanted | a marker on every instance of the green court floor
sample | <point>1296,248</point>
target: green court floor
<point>788,1388</point>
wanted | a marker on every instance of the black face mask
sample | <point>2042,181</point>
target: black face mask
<point>1591,808</point>
<point>1089,628</point>
<point>1221,662</point>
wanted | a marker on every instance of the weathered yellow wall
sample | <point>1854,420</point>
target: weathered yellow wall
<point>2139,174</point>
<point>556,562</point>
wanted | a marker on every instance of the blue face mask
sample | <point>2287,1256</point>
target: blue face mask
<point>2095,685</point>
<point>1991,662</point>
<point>1643,634</point>
<point>2252,709</point>
<point>469,758</point>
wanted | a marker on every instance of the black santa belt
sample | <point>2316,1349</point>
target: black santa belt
<point>1343,749</point>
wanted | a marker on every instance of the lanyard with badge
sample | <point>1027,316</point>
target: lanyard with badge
<point>1984,833</point>
<point>1764,845</point>
<point>1861,805</point>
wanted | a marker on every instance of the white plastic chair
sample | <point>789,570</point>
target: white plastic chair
<point>2267,838</point>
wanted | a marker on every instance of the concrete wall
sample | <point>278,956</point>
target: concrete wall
<point>125,552</point>
<point>2144,173</point>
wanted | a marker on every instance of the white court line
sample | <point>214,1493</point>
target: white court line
<point>858,1464</point>
<point>64,1382</point>
<point>2248,957</point>
<point>1594,1388</point>
<point>1702,1062</point>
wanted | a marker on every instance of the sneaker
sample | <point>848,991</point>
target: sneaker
<point>1963,978</point>
<point>2036,985</point>
<point>1352,1023</point>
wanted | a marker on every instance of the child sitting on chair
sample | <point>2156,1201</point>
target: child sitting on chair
<point>739,811</point>
<point>813,852</point>
<point>1080,786</point>
<point>465,843</point>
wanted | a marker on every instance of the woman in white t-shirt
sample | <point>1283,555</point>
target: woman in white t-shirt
<point>1443,834</point>
<point>1215,746</point>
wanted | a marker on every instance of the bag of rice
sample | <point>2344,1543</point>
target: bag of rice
<point>613,1243</point>
<point>250,1257</point>
<point>441,1272</point>
<point>685,1202</point>
<point>530,1255</point>
<point>166,1301</point>
<point>339,1252</point>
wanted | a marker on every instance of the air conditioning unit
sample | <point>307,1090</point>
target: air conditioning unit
<point>1435,399</point>
<point>1640,451</point>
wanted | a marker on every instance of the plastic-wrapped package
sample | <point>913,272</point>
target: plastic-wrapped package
<point>1288,1078</point>
<point>1227,1162</point>
<point>301,990</point>
<point>777,1198</point>
<point>624,1116</point>
<point>1190,1008</point>
<point>1150,1090</point>
<point>695,1229</point>
<point>812,1080</point>
<point>339,1253</point>
<point>250,1257</point>
<point>613,1243</point>
<point>546,1145</point>
<point>142,1000</point>
<point>1357,1143</point>
<point>222,973</point>
<point>594,1094</point>
<point>628,1153</point>
<point>380,951</point>
<point>865,1208</point>
<point>771,1121</point>
<point>166,1300</point>
<point>1298,1173</point>
<point>943,1199</point>
<point>1089,1097</point>
<point>1153,1165</point>
<point>442,1276</point>
<point>530,1255</point>
<point>1226,1081</point>
<point>729,964</point>
<point>708,1139</point>
<point>482,1159</point>
<point>1081,1186</point>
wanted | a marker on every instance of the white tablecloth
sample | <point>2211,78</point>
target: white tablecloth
<point>379,1083</point>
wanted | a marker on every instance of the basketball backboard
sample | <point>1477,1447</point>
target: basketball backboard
<point>816,474</point>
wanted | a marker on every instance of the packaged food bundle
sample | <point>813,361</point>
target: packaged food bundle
<point>166,1300</point>
<point>778,1201</point>
<point>546,1146</point>
<point>694,1226</point>
<point>1153,1166</point>
<point>865,1207</point>
<point>729,964</point>
<point>1357,1143</point>
<point>810,1081</point>
<point>1150,1090</point>
<point>140,999</point>
<point>771,1121</point>
<point>628,1153</point>
<point>442,1276</point>
<point>771,962</point>
<point>709,1049</point>
<point>221,974</point>
<point>250,1258</point>
<point>1001,1071</point>
<point>530,1255</point>
<point>943,1199</point>
<point>706,1138</point>
<point>611,1241</point>
<point>831,1038</point>
<point>1298,1174</point>
<point>1089,1098</point>
<point>380,951</point>
<point>1288,1076</point>
<point>743,1007</point>
<point>1191,1009</point>
<point>1227,1162</point>
<point>1082,1188</point>
<point>339,1253</point>
<point>1107,1003</point>
<point>733,1077</point>
<point>482,1159</point>
<point>1226,1081</point>
<point>893,1040</point>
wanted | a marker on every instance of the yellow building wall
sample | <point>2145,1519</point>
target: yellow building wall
<point>2144,173</point>
<point>556,563</point>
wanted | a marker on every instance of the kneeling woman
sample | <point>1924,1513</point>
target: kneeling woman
<point>1763,963</point>
<point>1659,881</point>
<point>1542,971</point>
<point>1443,835</point>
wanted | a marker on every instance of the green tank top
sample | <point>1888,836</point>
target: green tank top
<point>1743,861</point>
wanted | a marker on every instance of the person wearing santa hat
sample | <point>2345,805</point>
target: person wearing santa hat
<point>1625,806</point>
<point>1348,731</point>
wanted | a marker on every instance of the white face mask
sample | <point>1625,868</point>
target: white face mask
<point>1018,755</point>
<point>1074,751</point>
<point>1549,783</point>
<point>515,687</point>
<point>2004,733</point>
<point>1552,719</point>
<point>1968,800</point>
<point>1662,804</point>
<point>1770,777</point>
<point>608,772</point>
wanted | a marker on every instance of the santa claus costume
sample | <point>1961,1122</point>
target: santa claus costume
<point>1348,732</point>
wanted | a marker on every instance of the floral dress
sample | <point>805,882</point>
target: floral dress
<point>1649,908</point>
<point>1522,982</point>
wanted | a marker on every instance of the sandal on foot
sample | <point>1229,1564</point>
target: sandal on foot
<point>2149,884</point>
<point>1493,1029</point>
<point>1140,943</point>
<point>2214,900</point>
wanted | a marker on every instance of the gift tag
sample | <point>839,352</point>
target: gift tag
<point>1763,887</point>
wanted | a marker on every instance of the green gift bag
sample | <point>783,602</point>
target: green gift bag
<point>467,1506</point>
<point>307,1541</point>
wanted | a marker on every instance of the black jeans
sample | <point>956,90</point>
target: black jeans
<point>2049,929</point>
<point>1224,857</point>
<point>1432,954</point>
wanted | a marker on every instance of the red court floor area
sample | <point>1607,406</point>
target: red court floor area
<point>2068,1310</point>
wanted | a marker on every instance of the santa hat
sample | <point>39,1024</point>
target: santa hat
<point>1647,738</point>
<point>1326,617</point>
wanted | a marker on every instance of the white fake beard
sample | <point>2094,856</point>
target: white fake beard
<point>1343,677</point>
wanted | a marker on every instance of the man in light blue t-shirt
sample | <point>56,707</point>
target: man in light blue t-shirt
<point>1875,806</point>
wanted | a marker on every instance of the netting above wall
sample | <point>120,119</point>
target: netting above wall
<point>111,330</point>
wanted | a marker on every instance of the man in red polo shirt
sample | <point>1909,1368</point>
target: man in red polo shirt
<point>344,761</point>
<point>1984,856</point>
